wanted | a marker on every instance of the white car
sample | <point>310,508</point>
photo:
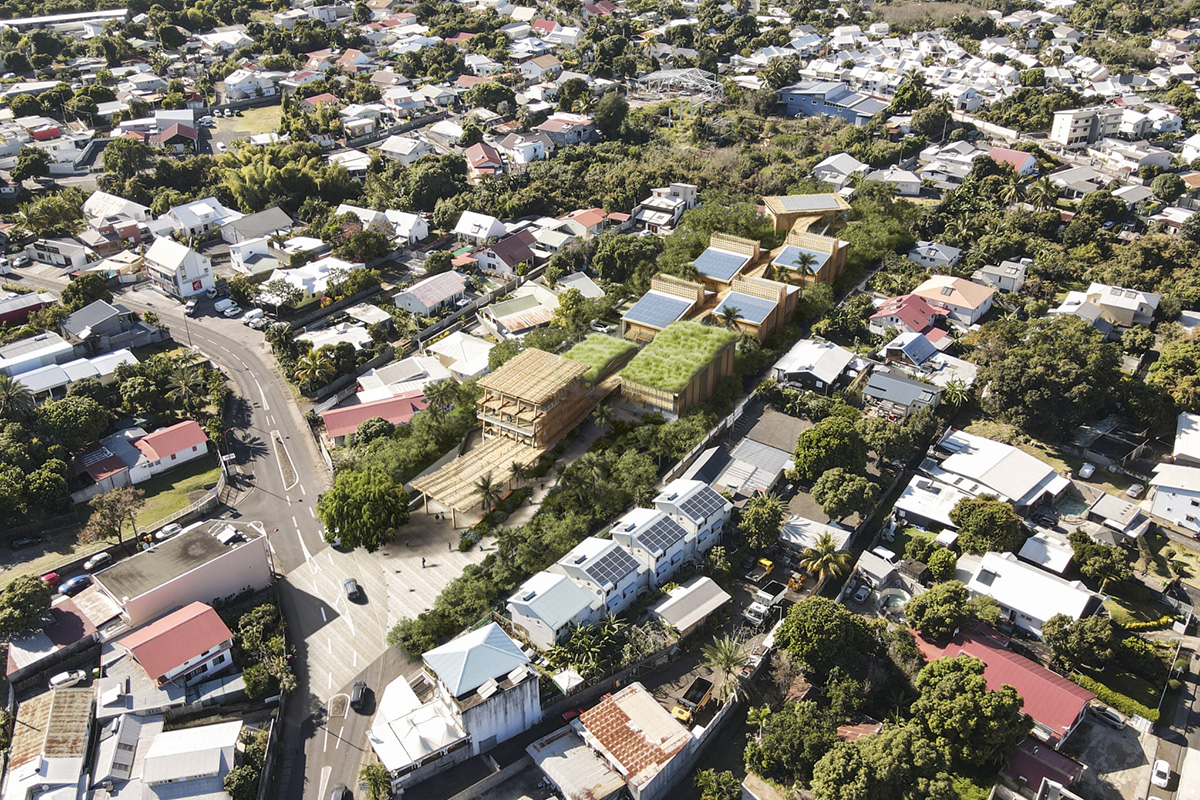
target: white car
<point>233,311</point>
<point>64,680</point>
<point>1087,471</point>
<point>1160,776</point>
<point>862,594</point>
<point>97,561</point>
<point>1135,491</point>
<point>168,531</point>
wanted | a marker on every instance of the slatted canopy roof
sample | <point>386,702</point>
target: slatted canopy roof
<point>534,376</point>
<point>454,484</point>
<point>657,310</point>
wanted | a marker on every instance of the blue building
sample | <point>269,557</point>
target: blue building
<point>829,98</point>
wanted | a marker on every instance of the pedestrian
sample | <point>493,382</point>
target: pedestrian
<point>450,547</point>
<point>422,562</point>
<point>406,542</point>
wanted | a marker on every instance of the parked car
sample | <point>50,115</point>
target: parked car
<point>259,323</point>
<point>352,590</point>
<point>599,327</point>
<point>97,561</point>
<point>862,594</point>
<point>25,541</point>
<point>1087,471</point>
<point>211,292</point>
<point>233,311</point>
<point>1135,491</point>
<point>1160,776</point>
<point>73,586</point>
<point>168,531</point>
<point>189,307</point>
<point>340,792</point>
<point>67,679</point>
<point>1112,717</point>
<point>51,579</point>
<point>356,695</point>
<point>252,316</point>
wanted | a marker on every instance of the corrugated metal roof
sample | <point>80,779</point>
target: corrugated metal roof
<point>466,663</point>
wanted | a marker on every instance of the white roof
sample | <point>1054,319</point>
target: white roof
<point>1047,551</point>
<point>801,533</point>
<point>930,499</point>
<point>468,353</point>
<point>1028,590</point>
<point>982,466</point>
<point>842,164</point>
<point>823,360</point>
<point>553,598</point>
<point>480,226</point>
<point>356,335</point>
<point>686,605</point>
<point>405,731</point>
<point>167,253</point>
<point>1176,476</point>
<point>1187,436</point>
<point>409,375</point>
<point>191,753</point>
<point>466,663</point>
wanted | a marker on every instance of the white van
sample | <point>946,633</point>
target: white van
<point>252,315</point>
<point>224,304</point>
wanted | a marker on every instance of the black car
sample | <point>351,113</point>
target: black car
<point>357,694</point>
<point>25,541</point>
<point>352,590</point>
<point>340,792</point>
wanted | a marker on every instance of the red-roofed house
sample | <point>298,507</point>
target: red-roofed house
<point>168,447</point>
<point>907,313</point>
<point>178,138</point>
<point>1022,163</point>
<point>482,159</point>
<point>565,129</point>
<point>586,222</point>
<point>467,81</point>
<point>1056,704</point>
<point>185,647</point>
<point>1033,762</point>
<point>341,422</point>
<point>544,27</point>
<point>459,38</point>
<point>324,98</point>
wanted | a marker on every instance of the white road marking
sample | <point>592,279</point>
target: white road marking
<point>307,555</point>
<point>323,617</point>
<point>355,653</point>
<point>303,492</point>
<point>313,513</point>
<point>262,394</point>
<point>243,363</point>
<point>297,524</point>
<point>324,749</point>
<point>338,743</point>
<point>277,441</point>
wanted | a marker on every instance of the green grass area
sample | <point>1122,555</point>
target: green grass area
<point>677,353</point>
<point>1127,684</point>
<point>903,536</point>
<point>177,489</point>
<point>1154,557</point>
<point>1125,610</point>
<point>263,119</point>
<point>598,351</point>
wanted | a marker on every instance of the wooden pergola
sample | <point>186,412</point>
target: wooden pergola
<point>454,484</point>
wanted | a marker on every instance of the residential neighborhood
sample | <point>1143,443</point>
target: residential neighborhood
<point>595,400</point>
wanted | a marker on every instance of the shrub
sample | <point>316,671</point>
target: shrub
<point>1126,705</point>
<point>1161,622</point>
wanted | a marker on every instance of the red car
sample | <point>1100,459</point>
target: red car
<point>51,579</point>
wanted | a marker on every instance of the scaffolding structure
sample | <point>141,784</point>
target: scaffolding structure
<point>454,485</point>
<point>691,82</point>
<point>535,398</point>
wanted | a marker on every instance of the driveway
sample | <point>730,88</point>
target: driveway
<point>1118,762</point>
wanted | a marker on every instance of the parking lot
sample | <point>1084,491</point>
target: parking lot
<point>1118,760</point>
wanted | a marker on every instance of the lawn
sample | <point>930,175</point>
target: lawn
<point>177,489</point>
<point>903,536</point>
<point>1125,610</point>
<point>263,119</point>
<point>677,354</point>
<point>1135,688</point>
<point>598,351</point>
<point>1185,562</point>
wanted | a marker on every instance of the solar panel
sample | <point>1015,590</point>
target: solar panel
<point>657,310</point>
<point>661,535</point>
<point>96,456</point>
<point>719,264</point>
<point>809,202</point>
<point>790,257</point>
<point>703,504</point>
<point>755,310</point>
<point>612,566</point>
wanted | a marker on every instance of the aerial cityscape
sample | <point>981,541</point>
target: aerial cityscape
<point>614,400</point>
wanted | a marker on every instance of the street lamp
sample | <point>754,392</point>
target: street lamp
<point>228,455</point>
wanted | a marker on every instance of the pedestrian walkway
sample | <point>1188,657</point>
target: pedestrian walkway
<point>540,487</point>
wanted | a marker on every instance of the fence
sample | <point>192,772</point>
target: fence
<point>703,444</point>
<point>264,777</point>
<point>302,323</point>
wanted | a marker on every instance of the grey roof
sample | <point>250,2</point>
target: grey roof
<point>720,264</point>
<point>659,535</point>
<point>466,663</point>
<point>755,310</point>
<point>262,223</point>
<point>915,346</point>
<point>899,389</point>
<point>762,456</point>
<point>708,465</point>
<point>90,316</point>
<point>149,569</point>
<point>30,345</point>
<point>824,360</point>
<point>657,310</point>
<point>688,604</point>
<point>610,568</point>
<point>809,202</point>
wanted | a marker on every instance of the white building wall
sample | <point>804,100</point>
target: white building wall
<point>1180,506</point>
<point>503,715</point>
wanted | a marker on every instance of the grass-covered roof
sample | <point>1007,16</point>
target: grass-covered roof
<point>677,353</point>
<point>597,351</point>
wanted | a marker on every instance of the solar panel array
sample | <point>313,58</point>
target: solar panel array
<point>755,310</point>
<point>657,310</point>
<point>809,202</point>
<point>612,566</point>
<point>719,264</point>
<point>661,535</point>
<point>790,257</point>
<point>703,504</point>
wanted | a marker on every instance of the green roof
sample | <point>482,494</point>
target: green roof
<point>598,351</point>
<point>677,354</point>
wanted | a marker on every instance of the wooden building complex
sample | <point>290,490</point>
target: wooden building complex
<point>820,213</point>
<point>807,258</point>
<point>669,300</point>
<point>534,399</point>
<point>683,366</point>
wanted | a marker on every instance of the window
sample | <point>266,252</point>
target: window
<point>173,456</point>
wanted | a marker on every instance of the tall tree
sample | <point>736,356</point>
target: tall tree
<point>363,509</point>
<point>84,290</point>
<point>728,657</point>
<point>940,611</point>
<point>825,636</point>
<point>376,781</point>
<point>74,421</point>
<point>314,369</point>
<point>111,512</point>
<point>841,494</point>
<point>22,603</point>
<point>16,401</point>
<point>488,490</point>
<point>987,524</point>
<point>832,442</point>
<point>1090,642</point>
<point>825,559</point>
<point>761,519</point>
<point>898,763</point>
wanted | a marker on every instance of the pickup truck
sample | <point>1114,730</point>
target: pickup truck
<point>764,601</point>
<point>697,694</point>
<point>761,570</point>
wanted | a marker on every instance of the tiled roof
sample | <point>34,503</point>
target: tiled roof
<point>638,733</point>
<point>396,410</point>
<point>175,639</point>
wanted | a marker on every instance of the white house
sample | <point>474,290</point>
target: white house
<point>478,228</point>
<point>1007,276</point>
<point>698,508</point>
<point>979,466</point>
<point>966,301</point>
<point>659,541</point>
<point>609,572</point>
<point>544,608</point>
<point>178,269</point>
<point>837,170</point>
<point>1191,148</point>
<point>433,293</point>
<point>166,448</point>
<point>1027,596</point>
<point>1187,440</point>
<point>65,253</point>
<point>935,257</point>
<point>313,278</point>
<point>405,149</point>
<point>1175,495</point>
<point>201,217</point>
<point>466,356</point>
<point>185,647</point>
<point>906,182</point>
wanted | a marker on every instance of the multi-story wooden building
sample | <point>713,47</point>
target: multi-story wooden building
<point>534,399</point>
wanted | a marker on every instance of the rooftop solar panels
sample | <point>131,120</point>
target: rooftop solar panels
<point>703,504</point>
<point>790,257</point>
<point>612,566</point>
<point>657,310</point>
<point>720,265</point>
<point>809,202</point>
<point>661,535</point>
<point>755,310</point>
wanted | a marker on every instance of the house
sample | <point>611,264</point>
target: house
<point>15,308</point>
<point>177,138</point>
<point>97,324</point>
<point>698,508</point>
<point>482,159</point>
<point>1027,596</point>
<point>807,212</point>
<point>405,149</point>
<point>683,365</point>
<point>525,148</point>
<point>190,566</point>
<point>614,577</point>
<point>1187,440</point>
<point>102,210</point>
<point>1129,157</point>
<point>340,423</point>
<point>663,209</point>
<point>1191,148</point>
<point>311,280</point>
<point>30,353</point>
<point>905,182</point>
<point>178,270</point>
<point>1051,552</point>
<point>411,374</point>
<point>1175,495</point>
<point>167,448</point>
<point>478,228</point>
<point>966,301</point>
<point>541,68</point>
<point>52,381</point>
<point>668,300</point>
<point>586,222</point>
<point>567,129</point>
<point>815,365</point>
<point>1079,127</point>
<point>1024,164</point>
<point>432,294</point>
<point>188,646</point>
<point>49,746</point>
<point>809,257</point>
<point>507,257</point>
<point>201,218</point>
<point>270,222</point>
<point>935,257</point>
<point>1113,304</point>
<point>544,608</point>
<point>466,356</point>
<point>799,534</point>
<point>928,503</point>
<point>907,313</point>
<point>657,540</point>
<point>829,98</point>
<point>1055,704</point>
<point>897,397</point>
<point>136,756</point>
<point>838,170</point>
<point>979,466</point>
<point>1007,277</point>
<point>66,253</point>
<point>686,607</point>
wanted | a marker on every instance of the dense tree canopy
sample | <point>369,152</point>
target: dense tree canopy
<point>1090,642</point>
<point>832,442</point>
<point>986,524</point>
<point>22,603</point>
<point>824,635</point>
<point>363,509</point>
<point>940,611</point>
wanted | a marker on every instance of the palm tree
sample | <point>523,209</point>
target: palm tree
<point>805,262</point>
<point>728,657</point>
<point>603,416</point>
<point>15,400</point>
<point>441,395</point>
<point>1013,191</point>
<point>757,716</point>
<point>314,368</point>
<point>186,385</point>
<point>488,491</point>
<point>825,560</point>
<point>956,393</point>
<point>588,471</point>
<point>729,317</point>
<point>1043,194</point>
<point>517,473</point>
<point>375,780</point>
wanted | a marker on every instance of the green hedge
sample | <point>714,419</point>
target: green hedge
<point>1164,621</point>
<point>1120,702</point>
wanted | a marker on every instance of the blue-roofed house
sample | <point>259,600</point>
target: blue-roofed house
<point>697,507</point>
<point>656,539</point>
<point>755,316</point>
<point>670,299</point>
